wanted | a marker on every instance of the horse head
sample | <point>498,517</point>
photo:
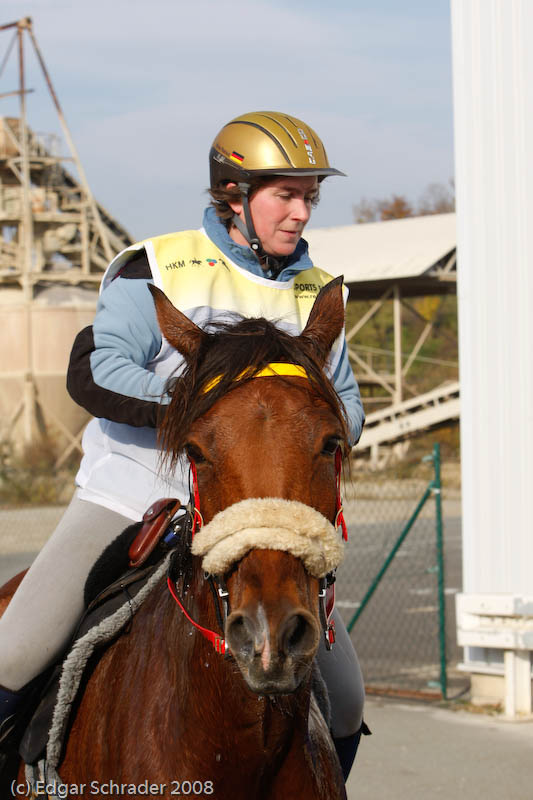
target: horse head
<point>264,429</point>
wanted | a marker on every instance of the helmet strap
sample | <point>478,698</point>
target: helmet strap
<point>242,227</point>
<point>248,231</point>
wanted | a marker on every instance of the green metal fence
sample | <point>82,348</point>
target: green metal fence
<point>391,590</point>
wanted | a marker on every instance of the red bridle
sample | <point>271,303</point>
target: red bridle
<point>197,519</point>
<point>327,595</point>
<point>326,603</point>
<point>218,642</point>
<point>339,513</point>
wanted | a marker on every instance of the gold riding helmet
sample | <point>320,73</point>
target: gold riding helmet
<point>266,143</point>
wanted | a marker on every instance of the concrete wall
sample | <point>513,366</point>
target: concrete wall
<point>51,330</point>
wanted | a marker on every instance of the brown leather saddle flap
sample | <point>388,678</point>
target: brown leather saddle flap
<point>155,523</point>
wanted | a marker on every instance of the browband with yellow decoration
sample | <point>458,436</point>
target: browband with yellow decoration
<point>281,368</point>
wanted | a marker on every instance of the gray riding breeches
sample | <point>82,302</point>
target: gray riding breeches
<point>48,604</point>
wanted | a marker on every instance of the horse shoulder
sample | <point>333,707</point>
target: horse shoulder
<point>127,700</point>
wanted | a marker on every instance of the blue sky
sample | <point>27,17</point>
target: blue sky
<point>146,86</point>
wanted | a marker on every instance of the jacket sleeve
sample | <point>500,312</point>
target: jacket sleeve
<point>107,372</point>
<point>348,391</point>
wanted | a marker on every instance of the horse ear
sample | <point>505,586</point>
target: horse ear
<point>326,319</point>
<point>178,329</point>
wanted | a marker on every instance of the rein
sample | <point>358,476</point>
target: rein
<point>218,642</point>
<point>326,601</point>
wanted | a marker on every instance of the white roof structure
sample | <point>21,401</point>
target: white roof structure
<point>383,251</point>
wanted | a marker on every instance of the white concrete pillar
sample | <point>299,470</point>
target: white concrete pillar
<point>517,665</point>
<point>493,122</point>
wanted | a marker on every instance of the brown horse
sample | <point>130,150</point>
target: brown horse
<point>161,707</point>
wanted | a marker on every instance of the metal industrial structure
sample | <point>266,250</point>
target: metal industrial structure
<point>55,240</point>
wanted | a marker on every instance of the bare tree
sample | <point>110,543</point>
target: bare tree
<point>437,198</point>
<point>365,211</point>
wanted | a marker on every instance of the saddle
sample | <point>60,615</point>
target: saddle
<point>137,557</point>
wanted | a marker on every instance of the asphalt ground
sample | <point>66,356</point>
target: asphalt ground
<point>420,752</point>
<point>23,531</point>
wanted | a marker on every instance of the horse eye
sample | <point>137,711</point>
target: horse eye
<point>194,454</point>
<point>329,448</point>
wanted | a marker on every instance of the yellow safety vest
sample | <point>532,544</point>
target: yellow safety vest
<point>200,280</point>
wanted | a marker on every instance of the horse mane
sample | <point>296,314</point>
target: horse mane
<point>243,345</point>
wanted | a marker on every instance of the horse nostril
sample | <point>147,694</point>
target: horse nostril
<point>298,635</point>
<point>240,634</point>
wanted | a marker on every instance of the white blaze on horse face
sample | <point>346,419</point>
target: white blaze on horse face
<point>264,629</point>
<point>265,655</point>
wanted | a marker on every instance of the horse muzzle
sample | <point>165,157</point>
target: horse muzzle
<point>273,656</point>
<point>273,640</point>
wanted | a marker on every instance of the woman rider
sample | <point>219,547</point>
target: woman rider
<point>249,258</point>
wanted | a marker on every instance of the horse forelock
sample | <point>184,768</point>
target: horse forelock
<point>229,350</point>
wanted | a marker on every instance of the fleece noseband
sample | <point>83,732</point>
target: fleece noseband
<point>269,523</point>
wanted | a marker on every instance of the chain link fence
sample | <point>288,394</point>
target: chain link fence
<point>405,633</point>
